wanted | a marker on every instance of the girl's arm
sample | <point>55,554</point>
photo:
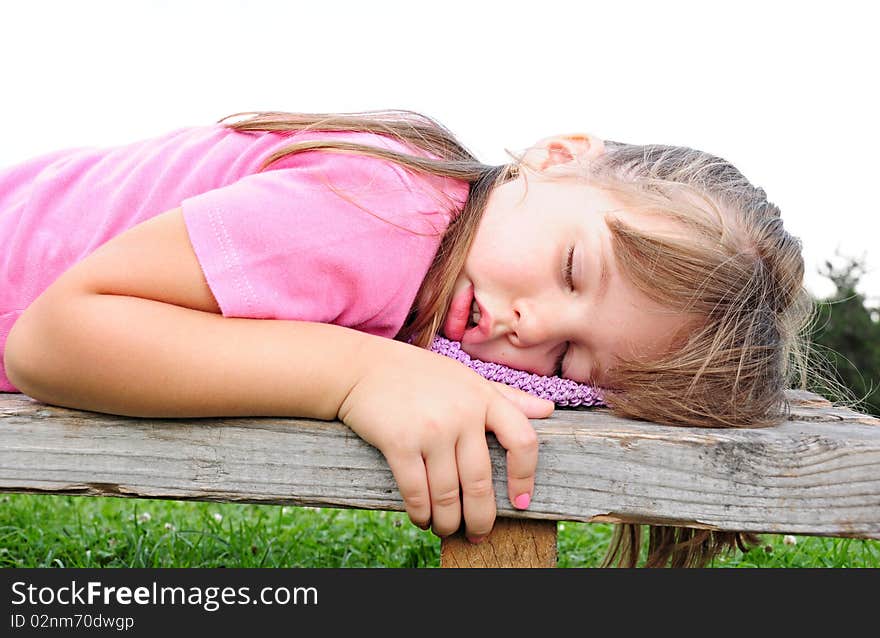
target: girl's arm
<point>134,330</point>
<point>140,357</point>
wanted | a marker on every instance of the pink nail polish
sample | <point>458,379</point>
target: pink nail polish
<point>476,539</point>
<point>522,501</point>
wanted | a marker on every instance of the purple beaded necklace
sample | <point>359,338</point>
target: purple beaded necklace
<point>563,392</point>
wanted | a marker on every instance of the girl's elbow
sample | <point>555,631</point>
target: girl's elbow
<point>15,357</point>
<point>30,360</point>
<point>21,364</point>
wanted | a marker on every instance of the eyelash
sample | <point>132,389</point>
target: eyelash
<point>567,273</point>
<point>569,267</point>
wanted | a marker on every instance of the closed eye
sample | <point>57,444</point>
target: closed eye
<point>569,266</point>
<point>567,275</point>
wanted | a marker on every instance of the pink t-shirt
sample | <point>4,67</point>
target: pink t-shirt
<point>319,236</point>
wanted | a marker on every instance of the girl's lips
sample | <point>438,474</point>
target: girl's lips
<point>482,331</point>
<point>457,317</point>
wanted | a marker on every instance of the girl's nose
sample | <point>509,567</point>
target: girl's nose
<point>529,326</point>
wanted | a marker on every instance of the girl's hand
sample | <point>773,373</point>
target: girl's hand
<point>428,415</point>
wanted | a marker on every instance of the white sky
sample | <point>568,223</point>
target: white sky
<point>787,91</point>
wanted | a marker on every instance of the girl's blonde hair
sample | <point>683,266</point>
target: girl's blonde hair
<point>736,268</point>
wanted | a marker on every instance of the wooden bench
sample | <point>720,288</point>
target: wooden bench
<point>816,474</point>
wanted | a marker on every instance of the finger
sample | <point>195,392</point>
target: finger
<point>412,482</point>
<point>530,405</point>
<point>444,489</point>
<point>518,437</point>
<point>477,492</point>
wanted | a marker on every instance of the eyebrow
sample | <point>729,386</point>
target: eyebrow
<point>604,276</point>
<point>601,291</point>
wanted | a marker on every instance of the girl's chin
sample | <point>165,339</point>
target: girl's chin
<point>476,352</point>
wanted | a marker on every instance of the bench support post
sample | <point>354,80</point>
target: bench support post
<point>514,542</point>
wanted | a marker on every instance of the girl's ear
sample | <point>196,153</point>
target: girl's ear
<point>560,149</point>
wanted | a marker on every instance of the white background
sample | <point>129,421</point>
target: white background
<point>787,91</point>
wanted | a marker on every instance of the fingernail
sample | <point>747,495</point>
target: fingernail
<point>522,501</point>
<point>476,540</point>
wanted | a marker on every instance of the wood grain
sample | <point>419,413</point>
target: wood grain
<point>514,542</point>
<point>816,474</point>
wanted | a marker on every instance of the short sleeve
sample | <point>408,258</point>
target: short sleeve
<point>330,237</point>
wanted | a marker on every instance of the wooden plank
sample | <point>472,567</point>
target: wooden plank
<point>514,542</point>
<point>816,474</point>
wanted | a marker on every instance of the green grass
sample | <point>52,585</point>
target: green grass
<point>68,531</point>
